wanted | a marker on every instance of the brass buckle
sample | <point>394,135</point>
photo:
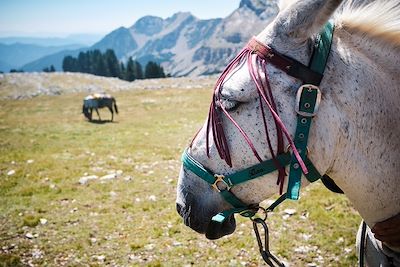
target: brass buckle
<point>220,178</point>
<point>298,98</point>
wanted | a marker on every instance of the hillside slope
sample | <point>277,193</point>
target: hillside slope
<point>29,85</point>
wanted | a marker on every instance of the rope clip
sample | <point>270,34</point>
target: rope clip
<point>267,256</point>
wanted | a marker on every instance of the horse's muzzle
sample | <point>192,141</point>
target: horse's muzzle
<point>211,229</point>
<point>217,230</point>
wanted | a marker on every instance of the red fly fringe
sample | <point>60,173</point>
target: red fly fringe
<point>280,145</point>
<point>217,110</point>
<point>214,123</point>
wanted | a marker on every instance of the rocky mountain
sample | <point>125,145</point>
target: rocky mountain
<point>183,44</point>
<point>120,40</point>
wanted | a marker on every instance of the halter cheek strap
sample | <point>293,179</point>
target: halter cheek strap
<point>307,103</point>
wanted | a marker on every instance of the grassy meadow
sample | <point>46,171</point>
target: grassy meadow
<point>123,214</point>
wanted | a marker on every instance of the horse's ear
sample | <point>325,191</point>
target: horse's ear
<point>303,18</point>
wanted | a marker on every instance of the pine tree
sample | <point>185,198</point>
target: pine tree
<point>112,63</point>
<point>137,70</point>
<point>150,70</point>
<point>130,75</point>
<point>16,71</point>
<point>161,72</point>
<point>154,70</point>
<point>49,69</point>
<point>83,62</point>
<point>99,64</point>
<point>122,73</point>
<point>70,64</point>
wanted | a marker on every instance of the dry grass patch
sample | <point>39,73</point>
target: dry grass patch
<point>49,218</point>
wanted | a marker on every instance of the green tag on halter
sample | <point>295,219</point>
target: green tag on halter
<point>222,216</point>
<point>219,218</point>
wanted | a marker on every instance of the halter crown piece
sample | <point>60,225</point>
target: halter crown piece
<point>307,103</point>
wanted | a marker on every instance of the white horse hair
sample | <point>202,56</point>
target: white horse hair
<point>355,136</point>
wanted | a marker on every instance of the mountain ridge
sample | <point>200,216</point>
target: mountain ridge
<point>183,44</point>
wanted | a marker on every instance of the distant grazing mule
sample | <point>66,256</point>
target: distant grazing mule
<point>96,101</point>
<point>255,111</point>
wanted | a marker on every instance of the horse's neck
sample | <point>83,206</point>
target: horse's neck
<point>354,136</point>
<point>357,128</point>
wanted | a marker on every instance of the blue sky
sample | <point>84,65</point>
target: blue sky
<point>63,17</point>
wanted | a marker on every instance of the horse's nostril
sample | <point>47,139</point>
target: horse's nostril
<point>179,208</point>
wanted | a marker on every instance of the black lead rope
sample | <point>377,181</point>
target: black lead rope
<point>267,256</point>
<point>363,242</point>
<point>273,261</point>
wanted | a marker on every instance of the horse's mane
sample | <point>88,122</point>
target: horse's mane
<point>377,20</point>
<point>285,3</point>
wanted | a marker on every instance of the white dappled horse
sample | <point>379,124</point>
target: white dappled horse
<point>96,101</point>
<point>354,138</point>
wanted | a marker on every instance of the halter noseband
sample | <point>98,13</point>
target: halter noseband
<point>307,102</point>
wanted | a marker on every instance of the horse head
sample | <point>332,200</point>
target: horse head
<point>254,115</point>
<point>89,102</point>
<point>241,129</point>
<point>86,112</point>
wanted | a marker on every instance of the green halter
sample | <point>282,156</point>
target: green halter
<point>307,102</point>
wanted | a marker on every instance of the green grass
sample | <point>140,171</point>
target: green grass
<point>117,222</point>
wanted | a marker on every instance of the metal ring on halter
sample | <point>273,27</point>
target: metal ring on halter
<point>220,178</point>
<point>259,211</point>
